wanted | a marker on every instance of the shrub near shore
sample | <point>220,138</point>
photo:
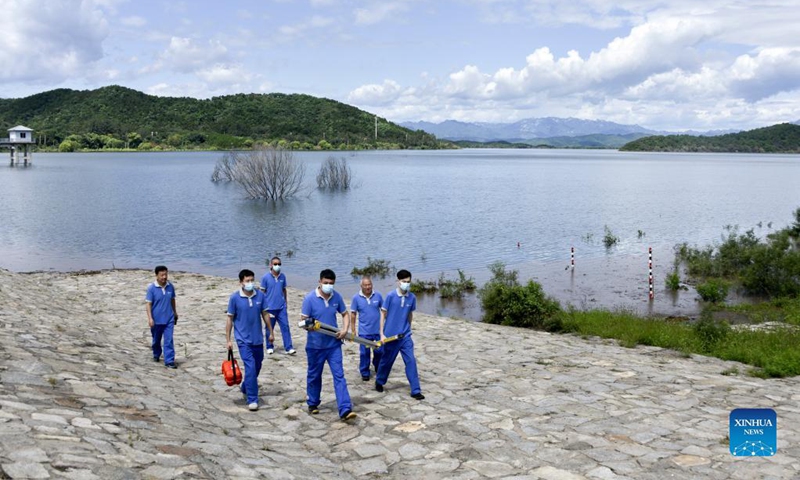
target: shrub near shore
<point>774,352</point>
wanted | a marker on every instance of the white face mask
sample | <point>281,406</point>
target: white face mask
<point>405,286</point>
<point>326,288</point>
<point>276,268</point>
<point>249,286</point>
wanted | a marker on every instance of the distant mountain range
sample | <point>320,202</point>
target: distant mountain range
<point>539,130</point>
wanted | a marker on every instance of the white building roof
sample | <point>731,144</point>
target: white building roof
<point>20,128</point>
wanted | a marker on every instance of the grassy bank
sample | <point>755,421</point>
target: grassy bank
<point>772,353</point>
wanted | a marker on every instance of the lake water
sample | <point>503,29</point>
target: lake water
<point>426,211</point>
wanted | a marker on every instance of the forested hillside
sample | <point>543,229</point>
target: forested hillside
<point>119,117</point>
<point>782,138</point>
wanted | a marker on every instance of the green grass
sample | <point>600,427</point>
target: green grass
<point>772,353</point>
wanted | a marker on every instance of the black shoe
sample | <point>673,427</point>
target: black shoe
<point>313,409</point>
<point>156,359</point>
<point>348,415</point>
<point>365,378</point>
<point>418,396</point>
<point>378,387</point>
<point>171,365</point>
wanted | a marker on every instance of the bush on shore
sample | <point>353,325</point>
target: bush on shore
<point>770,267</point>
<point>506,302</point>
<point>446,287</point>
<point>374,268</point>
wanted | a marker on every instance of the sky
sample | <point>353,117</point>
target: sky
<point>663,64</point>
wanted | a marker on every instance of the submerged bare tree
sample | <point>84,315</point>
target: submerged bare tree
<point>334,174</point>
<point>223,170</point>
<point>264,173</point>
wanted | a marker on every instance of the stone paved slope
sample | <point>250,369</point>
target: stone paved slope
<point>80,398</point>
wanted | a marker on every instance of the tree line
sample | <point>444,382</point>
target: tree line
<point>116,117</point>
<point>781,138</point>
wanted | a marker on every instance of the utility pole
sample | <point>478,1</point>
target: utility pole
<point>376,128</point>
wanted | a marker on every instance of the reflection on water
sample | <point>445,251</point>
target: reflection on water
<point>429,212</point>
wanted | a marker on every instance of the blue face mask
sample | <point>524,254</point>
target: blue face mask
<point>326,288</point>
<point>249,286</point>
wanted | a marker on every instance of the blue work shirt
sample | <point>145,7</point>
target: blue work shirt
<point>369,312</point>
<point>246,313</point>
<point>160,300</point>
<point>316,307</point>
<point>398,308</point>
<point>274,287</point>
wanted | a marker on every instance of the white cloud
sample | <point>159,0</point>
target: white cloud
<point>374,94</point>
<point>378,12</point>
<point>765,74</point>
<point>679,86</point>
<point>660,75</point>
<point>186,55</point>
<point>652,47</point>
<point>48,42</point>
<point>221,75</point>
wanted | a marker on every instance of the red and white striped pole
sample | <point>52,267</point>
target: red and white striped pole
<point>572,257</point>
<point>650,268</point>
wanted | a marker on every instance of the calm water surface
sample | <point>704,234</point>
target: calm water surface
<point>429,212</point>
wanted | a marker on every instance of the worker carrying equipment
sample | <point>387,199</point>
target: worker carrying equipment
<point>316,326</point>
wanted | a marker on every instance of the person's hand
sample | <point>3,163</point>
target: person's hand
<point>176,319</point>
<point>271,337</point>
<point>230,345</point>
<point>341,334</point>
<point>383,338</point>
<point>150,322</point>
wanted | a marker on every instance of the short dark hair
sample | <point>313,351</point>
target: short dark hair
<point>327,274</point>
<point>273,259</point>
<point>161,268</point>
<point>245,273</point>
<point>403,274</point>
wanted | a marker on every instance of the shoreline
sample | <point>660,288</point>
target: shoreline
<point>596,283</point>
<point>82,398</point>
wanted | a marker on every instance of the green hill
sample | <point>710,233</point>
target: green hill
<point>782,138</point>
<point>119,117</point>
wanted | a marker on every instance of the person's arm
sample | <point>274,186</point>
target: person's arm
<point>383,321</point>
<point>228,328</point>
<point>353,320</point>
<point>285,298</point>
<point>174,310</point>
<point>410,317</point>
<point>150,321</point>
<point>345,325</point>
<point>265,319</point>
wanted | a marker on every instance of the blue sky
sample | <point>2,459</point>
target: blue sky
<point>674,65</point>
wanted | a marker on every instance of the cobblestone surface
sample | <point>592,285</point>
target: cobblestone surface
<point>81,398</point>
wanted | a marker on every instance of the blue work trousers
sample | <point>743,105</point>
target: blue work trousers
<point>316,361</point>
<point>405,347</point>
<point>365,353</point>
<point>252,357</point>
<point>159,332</point>
<point>282,319</point>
